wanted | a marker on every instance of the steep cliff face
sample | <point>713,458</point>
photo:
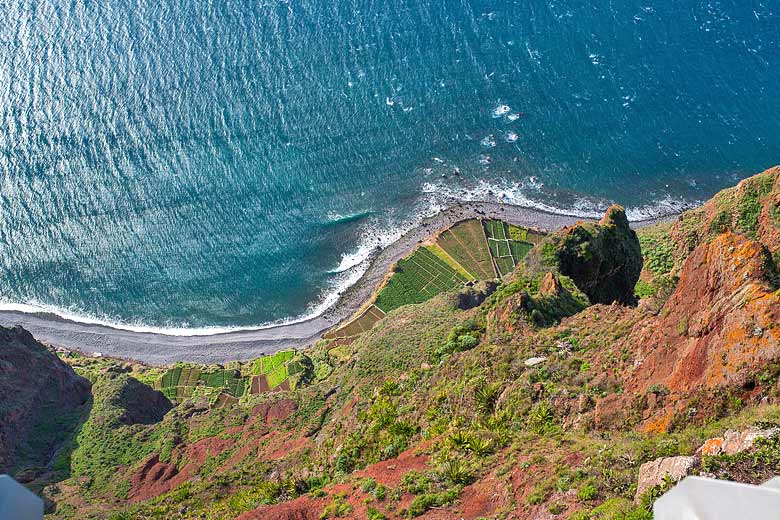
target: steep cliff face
<point>603,259</point>
<point>41,402</point>
<point>751,208</point>
<point>721,324</point>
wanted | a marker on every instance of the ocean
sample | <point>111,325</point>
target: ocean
<point>195,167</point>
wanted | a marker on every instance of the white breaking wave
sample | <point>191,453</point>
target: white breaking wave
<point>376,236</point>
<point>315,310</point>
<point>517,194</point>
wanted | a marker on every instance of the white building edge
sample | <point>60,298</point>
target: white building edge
<point>699,498</point>
<point>17,502</point>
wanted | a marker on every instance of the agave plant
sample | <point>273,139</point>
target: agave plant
<point>485,397</point>
<point>454,472</point>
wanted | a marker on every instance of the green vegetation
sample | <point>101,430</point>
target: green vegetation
<point>418,278</point>
<point>508,244</point>
<point>749,207</point>
<point>658,248</point>
<point>465,242</point>
<point>184,381</point>
<point>446,258</point>
<point>270,363</point>
<point>338,508</point>
<point>534,396</point>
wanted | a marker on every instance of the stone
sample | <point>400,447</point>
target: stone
<point>532,362</point>
<point>654,472</point>
<point>604,260</point>
<point>733,441</point>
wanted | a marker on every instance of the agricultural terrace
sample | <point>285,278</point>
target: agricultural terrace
<point>261,375</point>
<point>466,244</point>
<point>282,369</point>
<point>365,321</point>
<point>184,381</point>
<point>417,278</point>
<point>508,244</point>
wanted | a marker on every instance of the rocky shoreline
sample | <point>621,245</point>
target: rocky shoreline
<point>161,349</point>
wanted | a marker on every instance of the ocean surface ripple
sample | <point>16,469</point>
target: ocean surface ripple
<point>216,165</point>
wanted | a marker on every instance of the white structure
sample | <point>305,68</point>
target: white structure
<point>17,502</point>
<point>697,498</point>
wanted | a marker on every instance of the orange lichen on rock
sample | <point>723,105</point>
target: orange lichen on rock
<point>722,317</point>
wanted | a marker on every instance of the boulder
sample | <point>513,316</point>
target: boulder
<point>733,441</point>
<point>471,297</point>
<point>532,362</point>
<point>654,472</point>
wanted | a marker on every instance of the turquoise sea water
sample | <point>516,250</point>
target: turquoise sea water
<point>230,163</point>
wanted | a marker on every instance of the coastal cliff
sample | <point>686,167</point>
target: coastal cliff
<point>599,366</point>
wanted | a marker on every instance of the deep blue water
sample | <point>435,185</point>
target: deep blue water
<point>189,163</point>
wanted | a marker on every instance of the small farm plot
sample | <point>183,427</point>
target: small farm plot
<point>365,321</point>
<point>227,379</point>
<point>465,243</point>
<point>179,382</point>
<point>508,244</point>
<point>528,236</point>
<point>271,371</point>
<point>418,278</point>
<point>267,364</point>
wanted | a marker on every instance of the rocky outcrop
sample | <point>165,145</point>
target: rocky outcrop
<point>604,260</point>
<point>41,401</point>
<point>751,208</point>
<point>734,441</point>
<point>140,403</point>
<point>721,324</point>
<point>471,297</point>
<point>654,473</point>
<point>548,305</point>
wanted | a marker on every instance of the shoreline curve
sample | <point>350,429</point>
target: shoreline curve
<point>158,348</point>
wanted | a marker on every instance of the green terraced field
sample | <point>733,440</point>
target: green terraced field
<point>521,234</point>
<point>465,243</point>
<point>418,278</point>
<point>442,254</point>
<point>508,244</point>
<point>267,364</point>
<point>519,249</point>
<point>277,376</point>
<point>360,324</point>
<point>179,382</point>
<point>225,379</point>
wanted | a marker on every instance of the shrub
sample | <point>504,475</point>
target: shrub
<point>557,508</point>
<point>455,473</point>
<point>588,492</point>
<point>485,396</point>
<point>368,485</point>
<point>338,508</point>
<point>423,503</point>
<point>373,514</point>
